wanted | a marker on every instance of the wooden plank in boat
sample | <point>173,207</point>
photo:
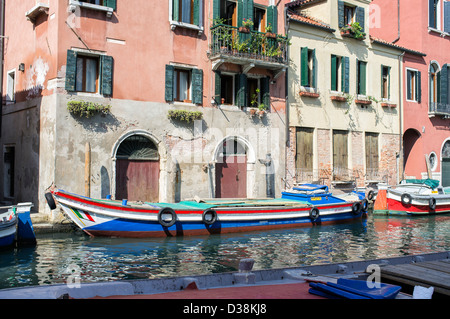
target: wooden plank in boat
<point>436,265</point>
<point>413,275</point>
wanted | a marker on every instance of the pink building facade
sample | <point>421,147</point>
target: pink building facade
<point>423,26</point>
<point>153,67</point>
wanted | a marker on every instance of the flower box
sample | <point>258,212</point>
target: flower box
<point>363,102</point>
<point>244,30</point>
<point>388,104</point>
<point>338,98</point>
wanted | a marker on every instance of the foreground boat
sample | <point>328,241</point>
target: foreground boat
<point>8,227</point>
<point>16,225</point>
<point>197,217</point>
<point>413,197</point>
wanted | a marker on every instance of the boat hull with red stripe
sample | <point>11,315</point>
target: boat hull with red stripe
<point>111,218</point>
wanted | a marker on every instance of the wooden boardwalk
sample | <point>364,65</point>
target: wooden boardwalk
<point>426,274</point>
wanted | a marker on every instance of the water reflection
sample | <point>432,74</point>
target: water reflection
<point>55,257</point>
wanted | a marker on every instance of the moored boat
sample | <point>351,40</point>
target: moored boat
<point>8,227</point>
<point>413,197</point>
<point>104,217</point>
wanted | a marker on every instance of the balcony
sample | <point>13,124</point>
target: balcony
<point>439,109</point>
<point>248,48</point>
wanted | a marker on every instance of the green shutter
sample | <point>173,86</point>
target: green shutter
<point>360,17</point>
<point>176,10</point>
<point>304,67</point>
<point>217,87</point>
<point>111,3</point>
<point>444,85</point>
<point>169,83</point>
<point>333,73</point>
<point>345,62</point>
<point>265,92</point>
<point>216,9</point>
<point>389,82</point>
<point>361,78</point>
<point>71,70</point>
<point>197,12</point>
<point>341,13</point>
<point>248,9</point>
<point>106,75</point>
<point>240,12</point>
<point>272,18</point>
<point>197,86</point>
<point>241,92</point>
<point>418,86</point>
<point>313,76</point>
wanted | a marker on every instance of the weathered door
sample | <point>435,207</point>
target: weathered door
<point>137,170</point>
<point>231,177</point>
<point>304,154</point>
<point>371,155</point>
<point>137,180</point>
<point>340,154</point>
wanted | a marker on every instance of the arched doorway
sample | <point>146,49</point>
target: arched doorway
<point>413,158</point>
<point>445,170</point>
<point>231,169</point>
<point>137,169</point>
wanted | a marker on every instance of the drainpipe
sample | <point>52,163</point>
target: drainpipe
<point>286,32</point>
<point>400,115</point>
<point>398,22</point>
<point>2,42</point>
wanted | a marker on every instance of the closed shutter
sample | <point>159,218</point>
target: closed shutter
<point>443,84</point>
<point>111,3</point>
<point>197,86</point>
<point>248,9</point>
<point>197,12</point>
<point>361,78</point>
<point>314,67</point>
<point>176,10</point>
<point>241,89</point>
<point>418,86</point>
<point>304,67</point>
<point>216,9</point>
<point>447,16</point>
<point>431,17</point>
<point>169,82</point>
<point>265,92</point>
<point>106,74</point>
<point>345,62</point>
<point>272,18</point>
<point>334,73</point>
<point>217,87</point>
<point>360,17</point>
<point>240,12</point>
<point>71,70</point>
<point>341,13</point>
<point>445,172</point>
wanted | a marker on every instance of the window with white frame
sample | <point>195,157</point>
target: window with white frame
<point>413,89</point>
<point>10,86</point>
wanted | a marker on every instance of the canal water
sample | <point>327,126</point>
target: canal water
<point>57,258</point>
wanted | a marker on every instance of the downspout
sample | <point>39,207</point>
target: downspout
<point>400,115</point>
<point>2,46</point>
<point>286,32</point>
<point>398,22</point>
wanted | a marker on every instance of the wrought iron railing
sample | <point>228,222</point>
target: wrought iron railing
<point>439,108</point>
<point>240,43</point>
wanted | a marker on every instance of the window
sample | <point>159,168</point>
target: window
<point>184,85</point>
<point>227,89</point>
<point>442,90</point>
<point>413,89</point>
<point>10,86</point>
<point>98,2</point>
<point>308,67</point>
<point>340,73</point>
<point>88,73</point>
<point>433,83</point>
<point>348,14</point>
<point>228,12</point>
<point>186,11</point>
<point>385,82</point>
<point>259,19</point>
<point>361,77</point>
<point>433,14</point>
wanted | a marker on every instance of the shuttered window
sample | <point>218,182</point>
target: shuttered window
<point>88,73</point>
<point>362,77</point>
<point>183,85</point>
<point>107,3</point>
<point>348,14</point>
<point>385,82</point>
<point>186,11</point>
<point>308,67</point>
<point>340,73</point>
<point>443,85</point>
<point>447,16</point>
<point>433,13</point>
<point>413,85</point>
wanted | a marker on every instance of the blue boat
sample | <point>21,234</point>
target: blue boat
<point>8,227</point>
<point>16,225</point>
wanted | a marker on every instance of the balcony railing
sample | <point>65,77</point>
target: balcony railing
<point>439,109</point>
<point>237,43</point>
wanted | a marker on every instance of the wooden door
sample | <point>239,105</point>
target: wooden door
<point>137,180</point>
<point>304,155</point>
<point>231,177</point>
<point>340,153</point>
<point>371,154</point>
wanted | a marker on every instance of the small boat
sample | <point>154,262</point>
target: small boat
<point>106,217</point>
<point>413,197</point>
<point>8,227</point>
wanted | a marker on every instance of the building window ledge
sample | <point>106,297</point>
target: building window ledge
<point>37,10</point>
<point>174,24</point>
<point>73,4</point>
<point>309,92</point>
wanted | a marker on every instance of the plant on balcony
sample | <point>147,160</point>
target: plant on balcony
<point>247,25</point>
<point>353,30</point>
<point>87,109</point>
<point>269,33</point>
<point>184,116</point>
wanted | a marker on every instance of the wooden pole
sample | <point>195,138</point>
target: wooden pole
<point>87,170</point>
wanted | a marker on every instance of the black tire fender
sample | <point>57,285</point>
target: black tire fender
<point>370,195</point>
<point>163,221</point>
<point>314,213</point>
<point>356,208</point>
<point>406,199</point>
<point>209,221</point>
<point>432,203</point>
<point>50,200</point>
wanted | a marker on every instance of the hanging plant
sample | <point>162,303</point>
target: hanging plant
<point>184,116</point>
<point>87,109</point>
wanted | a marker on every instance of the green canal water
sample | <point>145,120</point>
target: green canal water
<point>57,258</point>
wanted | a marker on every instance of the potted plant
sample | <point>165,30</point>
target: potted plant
<point>247,25</point>
<point>353,30</point>
<point>269,33</point>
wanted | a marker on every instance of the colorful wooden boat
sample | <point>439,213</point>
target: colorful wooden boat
<point>413,197</point>
<point>8,227</point>
<point>103,217</point>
